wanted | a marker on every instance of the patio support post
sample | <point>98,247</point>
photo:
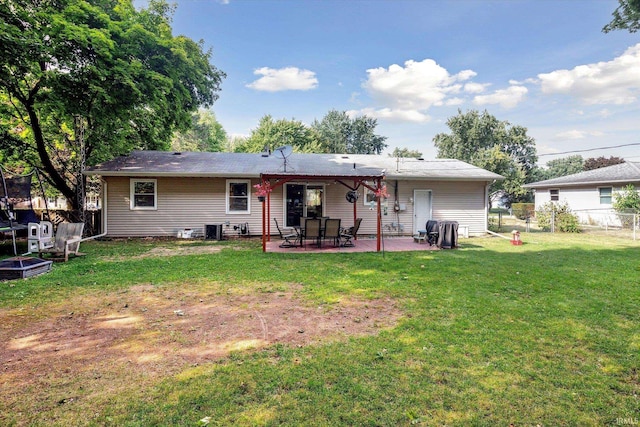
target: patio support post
<point>264,234</point>
<point>355,208</point>
<point>379,217</point>
<point>268,216</point>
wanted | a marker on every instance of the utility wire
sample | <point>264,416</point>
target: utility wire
<point>589,149</point>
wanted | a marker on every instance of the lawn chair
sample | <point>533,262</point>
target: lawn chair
<point>287,237</point>
<point>312,230</point>
<point>332,230</point>
<point>349,234</point>
<point>66,242</point>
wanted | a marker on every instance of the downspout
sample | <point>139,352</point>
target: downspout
<point>486,206</point>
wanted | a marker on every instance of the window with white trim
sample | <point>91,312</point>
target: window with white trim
<point>370,198</point>
<point>238,196</point>
<point>144,194</point>
<point>605,195</point>
<point>554,195</point>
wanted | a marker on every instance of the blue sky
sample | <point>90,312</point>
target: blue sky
<point>544,65</point>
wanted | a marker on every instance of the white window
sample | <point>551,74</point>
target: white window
<point>144,194</point>
<point>238,196</point>
<point>555,195</point>
<point>370,199</point>
<point>605,195</point>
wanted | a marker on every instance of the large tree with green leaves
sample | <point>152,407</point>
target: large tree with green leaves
<point>341,134</point>
<point>86,80</point>
<point>205,134</point>
<point>405,152</point>
<point>484,141</point>
<point>562,167</point>
<point>625,17</point>
<point>271,134</point>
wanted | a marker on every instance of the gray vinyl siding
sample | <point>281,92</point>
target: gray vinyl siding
<point>182,203</point>
<point>194,202</point>
<point>464,202</point>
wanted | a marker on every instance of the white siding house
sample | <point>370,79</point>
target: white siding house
<point>150,193</point>
<point>589,194</point>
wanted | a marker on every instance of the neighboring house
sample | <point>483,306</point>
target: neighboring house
<point>153,193</point>
<point>589,194</point>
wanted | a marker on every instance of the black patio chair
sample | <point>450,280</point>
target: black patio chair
<point>287,237</point>
<point>349,234</point>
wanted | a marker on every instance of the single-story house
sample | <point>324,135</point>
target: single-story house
<point>589,194</point>
<point>156,193</point>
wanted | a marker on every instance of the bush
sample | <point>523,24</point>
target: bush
<point>564,220</point>
<point>523,210</point>
<point>627,203</point>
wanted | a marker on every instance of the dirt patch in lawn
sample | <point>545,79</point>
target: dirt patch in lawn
<point>95,345</point>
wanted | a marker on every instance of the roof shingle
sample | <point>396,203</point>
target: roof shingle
<point>251,165</point>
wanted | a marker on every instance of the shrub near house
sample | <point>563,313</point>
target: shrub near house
<point>559,215</point>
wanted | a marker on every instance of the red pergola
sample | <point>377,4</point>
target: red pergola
<point>352,182</point>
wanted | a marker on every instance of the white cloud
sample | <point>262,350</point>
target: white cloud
<point>475,87</point>
<point>414,86</point>
<point>613,82</point>
<point>405,92</point>
<point>506,98</point>
<point>577,134</point>
<point>453,102</point>
<point>525,81</point>
<point>604,113</point>
<point>392,115</point>
<point>289,78</point>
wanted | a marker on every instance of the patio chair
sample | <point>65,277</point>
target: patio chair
<point>287,237</point>
<point>312,230</point>
<point>332,230</point>
<point>65,242</point>
<point>349,234</point>
<point>433,231</point>
<point>323,221</point>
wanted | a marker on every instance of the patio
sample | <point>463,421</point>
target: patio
<point>363,244</point>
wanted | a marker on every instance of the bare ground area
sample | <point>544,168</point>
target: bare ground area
<point>91,347</point>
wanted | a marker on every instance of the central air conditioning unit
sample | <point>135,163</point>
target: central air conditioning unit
<point>213,231</point>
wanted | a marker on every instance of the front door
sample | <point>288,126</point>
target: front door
<point>421,209</point>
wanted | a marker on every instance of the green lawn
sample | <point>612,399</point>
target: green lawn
<point>547,333</point>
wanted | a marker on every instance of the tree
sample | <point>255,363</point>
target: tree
<point>625,17</point>
<point>273,134</point>
<point>601,162</point>
<point>85,80</point>
<point>498,146</point>
<point>206,134</point>
<point>341,134</point>
<point>405,152</point>
<point>563,167</point>
<point>627,201</point>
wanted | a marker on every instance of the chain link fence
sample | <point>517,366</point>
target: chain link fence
<point>598,222</point>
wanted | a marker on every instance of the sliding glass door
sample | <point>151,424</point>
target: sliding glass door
<point>303,200</point>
